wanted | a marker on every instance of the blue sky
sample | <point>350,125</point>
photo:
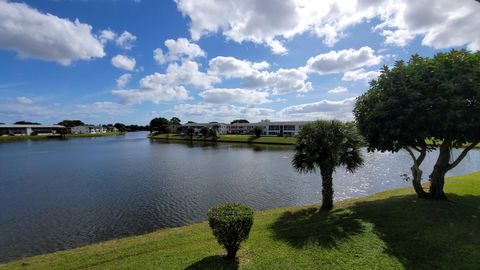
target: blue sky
<point>128,61</point>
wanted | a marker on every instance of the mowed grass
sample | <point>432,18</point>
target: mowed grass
<point>389,230</point>
<point>232,138</point>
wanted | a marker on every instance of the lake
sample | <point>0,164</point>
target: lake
<point>60,194</point>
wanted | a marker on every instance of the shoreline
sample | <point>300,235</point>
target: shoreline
<point>160,249</point>
<point>6,139</point>
<point>248,139</point>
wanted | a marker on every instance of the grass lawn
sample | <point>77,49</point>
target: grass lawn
<point>233,138</point>
<point>389,230</point>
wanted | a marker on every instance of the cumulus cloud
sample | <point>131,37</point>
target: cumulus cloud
<point>281,81</point>
<point>326,109</point>
<point>441,23</point>
<point>123,62</point>
<point>234,95</point>
<point>126,40</point>
<point>212,112</point>
<point>106,36</point>
<point>360,75</point>
<point>123,80</point>
<point>24,100</point>
<point>338,90</point>
<point>177,50</point>
<point>342,61</point>
<point>33,34</point>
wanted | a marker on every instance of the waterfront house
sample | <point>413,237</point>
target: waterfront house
<point>88,129</point>
<point>28,130</point>
<point>197,127</point>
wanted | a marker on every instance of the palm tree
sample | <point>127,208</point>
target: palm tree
<point>327,145</point>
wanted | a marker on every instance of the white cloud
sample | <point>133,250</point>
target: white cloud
<point>338,90</point>
<point>33,34</point>
<point>124,62</point>
<point>326,109</point>
<point>234,95</point>
<point>226,113</point>
<point>123,80</point>
<point>168,86</point>
<point>441,23</point>
<point>360,75</point>
<point>281,81</point>
<point>342,61</point>
<point>100,107</point>
<point>126,40</point>
<point>158,56</point>
<point>290,80</point>
<point>106,36</point>
<point>180,48</point>
<point>24,100</point>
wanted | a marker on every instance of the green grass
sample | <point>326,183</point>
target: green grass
<point>232,138</point>
<point>389,230</point>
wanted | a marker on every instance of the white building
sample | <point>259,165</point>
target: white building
<point>197,127</point>
<point>26,130</point>
<point>284,128</point>
<point>242,128</point>
<point>88,129</point>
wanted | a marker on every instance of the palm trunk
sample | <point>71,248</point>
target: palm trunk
<point>437,177</point>
<point>327,188</point>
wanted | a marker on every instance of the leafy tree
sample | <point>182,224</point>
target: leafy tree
<point>426,99</point>
<point>190,132</point>
<point>121,127</point>
<point>175,121</point>
<point>326,145</point>
<point>257,131</point>
<point>71,123</point>
<point>26,123</point>
<point>231,224</point>
<point>158,124</point>
<point>213,132</point>
<point>239,121</point>
<point>204,131</point>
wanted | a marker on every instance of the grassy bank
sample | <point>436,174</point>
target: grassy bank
<point>389,230</point>
<point>50,137</point>
<point>232,138</point>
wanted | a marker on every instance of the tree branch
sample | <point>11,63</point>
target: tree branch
<point>462,155</point>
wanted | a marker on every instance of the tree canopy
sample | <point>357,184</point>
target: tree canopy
<point>426,99</point>
<point>244,121</point>
<point>175,121</point>
<point>159,124</point>
<point>26,123</point>
<point>71,123</point>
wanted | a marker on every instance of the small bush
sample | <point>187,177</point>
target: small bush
<point>231,224</point>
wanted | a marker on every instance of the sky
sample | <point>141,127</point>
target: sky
<point>128,61</point>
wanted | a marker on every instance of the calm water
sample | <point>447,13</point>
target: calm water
<point>61,194</point>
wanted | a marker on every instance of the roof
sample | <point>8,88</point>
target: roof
<point>31,126</point>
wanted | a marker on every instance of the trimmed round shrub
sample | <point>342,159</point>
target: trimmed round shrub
<point>231,224</point>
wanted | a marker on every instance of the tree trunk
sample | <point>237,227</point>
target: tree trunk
<point>417,182</point>
<point>327,188</point>
<point>232,252</point>
<point>437,177</point>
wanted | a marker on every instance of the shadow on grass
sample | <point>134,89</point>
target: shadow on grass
<point>420,234</point>
<point>214,263</point>
<point>316,226</point>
